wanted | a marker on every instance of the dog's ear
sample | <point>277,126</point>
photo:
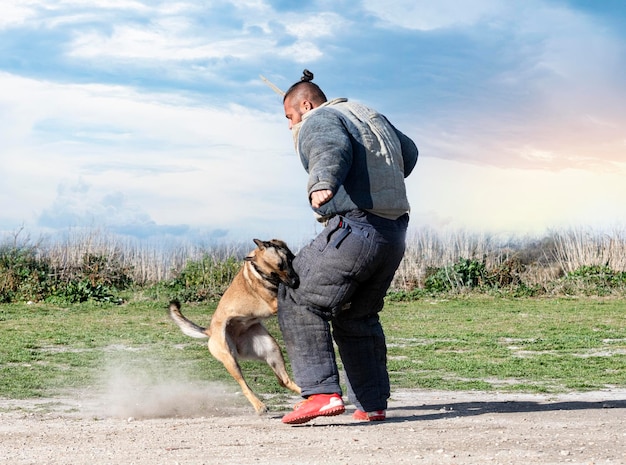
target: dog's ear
<point>259,243</point>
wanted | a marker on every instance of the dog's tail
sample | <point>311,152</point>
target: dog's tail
<point>188,327</point>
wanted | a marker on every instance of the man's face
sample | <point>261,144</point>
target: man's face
<point>295,109</point>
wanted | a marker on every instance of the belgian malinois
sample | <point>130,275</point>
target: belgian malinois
<point>236,330</point>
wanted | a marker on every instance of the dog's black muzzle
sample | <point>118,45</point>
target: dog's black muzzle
<point>294,282</point>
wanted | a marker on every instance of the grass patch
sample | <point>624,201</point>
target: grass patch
<point>536,345</point>
<point>47,349</point>
<point>530,345</point>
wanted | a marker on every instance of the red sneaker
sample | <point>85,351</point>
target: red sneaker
<point>378,415</point>
<point>317,405</point>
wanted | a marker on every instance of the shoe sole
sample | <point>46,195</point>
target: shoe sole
<point>331,412</point>
<point>365,417</point>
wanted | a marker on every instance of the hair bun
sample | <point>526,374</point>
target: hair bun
<point>307,76</point>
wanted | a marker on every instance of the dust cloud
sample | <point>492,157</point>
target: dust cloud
<point>143,389</point>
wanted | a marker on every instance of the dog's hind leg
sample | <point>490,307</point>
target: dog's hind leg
<point>258,344</point>
<point>223,351</point>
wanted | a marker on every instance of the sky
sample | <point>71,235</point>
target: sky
<point>149,118</point>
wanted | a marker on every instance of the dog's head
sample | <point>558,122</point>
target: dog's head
<point>274,262</point>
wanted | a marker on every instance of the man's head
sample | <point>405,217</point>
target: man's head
<point>301,98</point>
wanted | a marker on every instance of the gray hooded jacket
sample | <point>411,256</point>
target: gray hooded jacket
<point>356,153</point>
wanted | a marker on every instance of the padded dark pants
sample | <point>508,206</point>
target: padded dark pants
<point>344,276</point>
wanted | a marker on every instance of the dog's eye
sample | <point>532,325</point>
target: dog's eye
<point>281,267</point>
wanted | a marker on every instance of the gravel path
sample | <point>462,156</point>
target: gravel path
<point>423,427</point>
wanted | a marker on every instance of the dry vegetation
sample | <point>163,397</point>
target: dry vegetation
<point>464,261</point>
<point>512,260</point>
<point>543,259</point>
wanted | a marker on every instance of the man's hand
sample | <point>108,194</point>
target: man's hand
<point>319,198</point>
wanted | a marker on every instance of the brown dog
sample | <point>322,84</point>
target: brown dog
<point>236,330</point>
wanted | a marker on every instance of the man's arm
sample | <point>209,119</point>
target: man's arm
<point>409,152</point>
<point>325,144</point>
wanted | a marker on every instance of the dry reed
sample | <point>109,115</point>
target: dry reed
<point>543,260</point>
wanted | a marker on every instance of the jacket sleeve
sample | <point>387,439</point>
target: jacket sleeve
<point>409,152</point>
<point>325,144</point>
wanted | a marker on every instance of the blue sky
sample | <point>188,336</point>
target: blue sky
<point>149,118</point>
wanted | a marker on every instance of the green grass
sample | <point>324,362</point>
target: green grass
<point>531,345</point>
<point>535,345</point>
<point>47,349</point>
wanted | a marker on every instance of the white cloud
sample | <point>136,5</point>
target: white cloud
<point>533,154</point>
<point>16,12</point>
<point>515,85</point>
<point>173,160</point>
<point>173,34</point>
<point>160,42</point>
<point>76,206</point>
<point>302,52</point>
<point>316,25</point>
<point>106,111</point>
<point>167,36</point>
<point>95,4</point>
<point>426,15</point>
<point>53,13</point>
<point>556,99</point>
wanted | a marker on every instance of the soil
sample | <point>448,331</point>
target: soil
<point>212,426</point>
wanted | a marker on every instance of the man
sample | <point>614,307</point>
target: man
<point>357,162</point>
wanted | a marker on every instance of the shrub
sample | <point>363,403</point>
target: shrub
<point>465,273</point>
<point>507,273</point>
<point>26,274</point>
<point>23,276</point>
<point>203,279</point>
<point>594,279</point>
<point>96,278</point>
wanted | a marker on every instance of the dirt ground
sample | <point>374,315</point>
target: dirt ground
<point>211,426</point>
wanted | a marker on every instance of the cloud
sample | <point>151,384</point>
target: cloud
<point>183,35</point>
<point>14,13</point>
<point>527,85</point>
<point>34,14</point>
<point>76,205</point>
<point>122,116</point>
<point>323,24</point>
<point>148,160</point>
<point>164,42</point>
<point>496,81</point>
<point>158,109</point>
<point>425,15</point>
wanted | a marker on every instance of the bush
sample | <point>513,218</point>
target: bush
<point>88,266</point>
<point>23,276</point>
<point>97,278</point>
<point>204,279</point>
<point>508,272</point>
<point>598,274</point>
<point>465,273</point>
<point>594,279</point>
<point>27,275</point>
